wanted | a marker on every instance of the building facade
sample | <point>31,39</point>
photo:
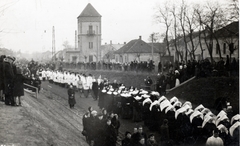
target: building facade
<point>228,37</point>
<point>89,34</point>
<point>138,50</point>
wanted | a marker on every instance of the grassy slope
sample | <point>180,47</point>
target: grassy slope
<point>128,78</point>
<point>206,90</point>
<point>198,91</point>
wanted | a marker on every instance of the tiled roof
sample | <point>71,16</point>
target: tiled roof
<point>231,30</point>
<point>137,46</point>
<point>89,11</point>
<point>160,46</point>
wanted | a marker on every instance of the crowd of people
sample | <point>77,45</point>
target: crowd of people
<point>106,127</point>
<point>175,121</point>
<point>142,66</point>
<point>12,79</point>
<point>183,122</point>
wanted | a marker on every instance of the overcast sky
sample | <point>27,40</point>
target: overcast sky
<point>26,25</point>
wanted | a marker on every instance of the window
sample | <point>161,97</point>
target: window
<point>90,28</point>
<point>224,48</point>
<point>90,45</point>
<point>217,48</point>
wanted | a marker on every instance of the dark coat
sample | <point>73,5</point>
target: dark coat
<point>8,75</point>
<point>164,131</point>
<point>99,138</point>
<point>110,136</point>
<point>71,96</point>
<point>126,142</point>
<point>95,89</point>
<point>1,75</point>
<point>18,85</point>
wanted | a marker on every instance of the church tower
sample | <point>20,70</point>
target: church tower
<point>89,34</point>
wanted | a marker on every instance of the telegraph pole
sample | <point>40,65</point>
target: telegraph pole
<point>53,44</point>
<point>152,46</point>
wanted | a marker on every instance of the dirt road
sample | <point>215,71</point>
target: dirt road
<point>40,122</point>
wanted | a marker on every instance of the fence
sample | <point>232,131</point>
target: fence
<point>36,89</point>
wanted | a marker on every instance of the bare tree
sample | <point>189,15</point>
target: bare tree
<point>233,10</point>
<point>164,16</point>
<point>182,20</point>
<point>66,45</point>
<point>175,32</point>
<point>198,16</point>
<point>156,37</point>
<point>191,26</point>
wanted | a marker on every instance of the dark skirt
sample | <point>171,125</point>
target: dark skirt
<point>71,100</point>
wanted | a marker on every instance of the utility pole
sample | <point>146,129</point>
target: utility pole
<point>53,45</point>
<point>75,40</point>
<point>152,45</point>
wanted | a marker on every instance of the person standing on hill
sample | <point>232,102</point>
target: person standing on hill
<point>71,96</point>
<point>110,134</point>
<point>18,89</point>
<point>8,76</point>
<point>164,131</point>
<point>1,77</point>
<point>95,88</point>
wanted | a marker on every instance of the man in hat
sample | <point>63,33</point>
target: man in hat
<point>8,75</point>
<point>71,96</point>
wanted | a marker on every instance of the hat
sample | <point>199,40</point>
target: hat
<point>126,95</point>
<point>199,108</point>
<point>222,128</point>
<point>143,92</point>
<point>104,91</point>
<point>11,58</point>
<point>155,93</point>
<point>164,104</point>
<point>145,96</point>
<point>115,93</point>
<point>187,103</point>
<point>147,100</point>
<point>169,108</point>
<point>161,99</point>
<point>210,114</point>
<point>109,92</point>
<point>224,117</point>
<point>137,97</point>
<point>174,99</point>
<point>194,114</point>
<point>235,118</point>
<point>189,111</point>
<point>233,127</point>
<point>178,103</point>
<point>181,110</point>
<point>221,113</point>
<point>205,111</point>
<point>207,119</point>
<point>152,104</point>
<point>94,112</point>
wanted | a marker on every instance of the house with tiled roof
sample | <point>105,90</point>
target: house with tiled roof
<point>137,50</point>
<point>107,51</point>
<point>89,34</point>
